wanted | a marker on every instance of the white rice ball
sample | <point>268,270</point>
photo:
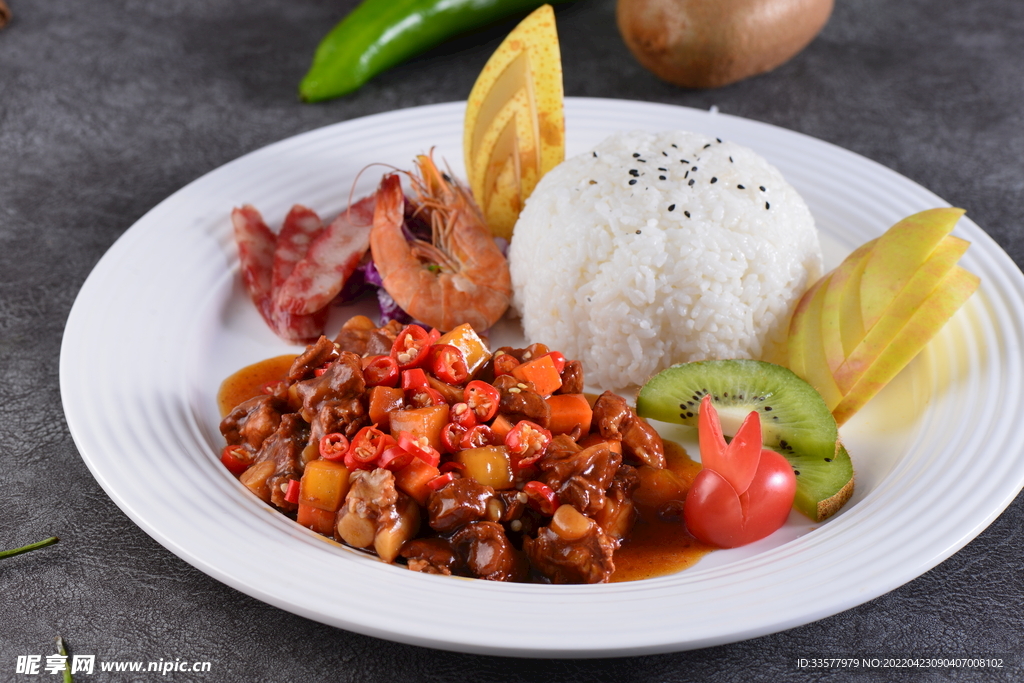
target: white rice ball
<point>659,249</point>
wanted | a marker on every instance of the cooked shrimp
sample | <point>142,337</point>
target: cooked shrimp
<point>460,276</point>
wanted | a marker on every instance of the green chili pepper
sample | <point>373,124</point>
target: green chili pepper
<point>380,34</point>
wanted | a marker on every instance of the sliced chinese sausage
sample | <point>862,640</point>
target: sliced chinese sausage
<point>256,247</point>
<point>332,257</point>
<point>301,226</point>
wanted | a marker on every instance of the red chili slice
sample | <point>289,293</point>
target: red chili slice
<point>527,442</point>
<point>483,399</point>
<point>419,448</point>
<point>541,497</point>
<point>462,415</point>
<point>451,437</point>
<point>381,371</point>
<point>504,363</point>
<point>414,378</point>
<point>236,459</point>
<point>441,481</point>
<point>411,347</point>
<point>292,494</point>
<point>395,458</point>
<point>333,446</point>
<point>478,436</point>
<point>425,397</point>
<point>366,448</point>
<point>448,364</point>
<point>452,466</point>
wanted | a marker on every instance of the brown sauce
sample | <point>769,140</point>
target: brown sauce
<point>249,381</point>
<point>656,546</point>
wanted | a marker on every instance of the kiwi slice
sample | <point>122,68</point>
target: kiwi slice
<point>794,420</point>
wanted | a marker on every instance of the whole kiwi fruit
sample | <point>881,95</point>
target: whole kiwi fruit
<point>711,43</point>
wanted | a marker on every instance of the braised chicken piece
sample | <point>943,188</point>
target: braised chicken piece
<point>577,556</point>
<point>616,420</point>
<point>343,379</point>
<point>315,356</point>
<point>341,416</point>
<point>520,402</point>
<point>354,334</point>
<point>457,504</point>
<point>251,422</point>
<point>488,554</point>
<point>284,449</point>
<point>433,556</point>
<point>572,378</point>
<point>581,478</point>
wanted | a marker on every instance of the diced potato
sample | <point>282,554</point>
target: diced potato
<point>324,485</point>
<point>389,540</point>
<point>421,422</point>
<point>658,487</point>
<point>570,523</point>
<point>488,465</point>
<point>255,479</point>
<point>357,531</point>
<point>465,339</point>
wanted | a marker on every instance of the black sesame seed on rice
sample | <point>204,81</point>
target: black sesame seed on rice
<point>707,145</point>
<point>714,180</point>
<point>731,161</point>
<point>767,206</point>
<point>692,181</point>
<point>636,155</point>
<point>671,207</point>
<point>762,189</point>
<point>686,213</point>
<point>661,177</point>
<point>719,139</point>
<point>633,172</point>
<point>633,181</point>
<point>741,187</point>
<point>638,232</point>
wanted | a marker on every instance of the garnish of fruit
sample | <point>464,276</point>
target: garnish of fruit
<point>795,422</point>
<point>514,129</point>
<point>744,491</point>
<point>857,327</point>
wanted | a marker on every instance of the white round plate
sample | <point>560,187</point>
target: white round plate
<point>163,319</point>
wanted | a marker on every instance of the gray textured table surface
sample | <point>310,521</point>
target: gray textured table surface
<point>108,107</point>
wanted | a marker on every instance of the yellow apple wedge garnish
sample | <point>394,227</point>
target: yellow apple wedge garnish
<point>796,346</point>
<point>514,130</point>
<point>845,282</point>
<point>806,332</point>
<point>926,321</point>
<point>897,255</point>
<point>925,281</point>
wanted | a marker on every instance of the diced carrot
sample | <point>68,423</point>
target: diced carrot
<point>541,372</point>
<point>590,439</point>
<point>413,479</point>
<point>323,485</point>
<point>384,400</point>
<point>569,411</point>
<point>501,426</point>
<point>320,521</point>
<point>420,422</point>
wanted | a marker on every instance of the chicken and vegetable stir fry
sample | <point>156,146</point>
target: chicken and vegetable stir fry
<point>432,451</point>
